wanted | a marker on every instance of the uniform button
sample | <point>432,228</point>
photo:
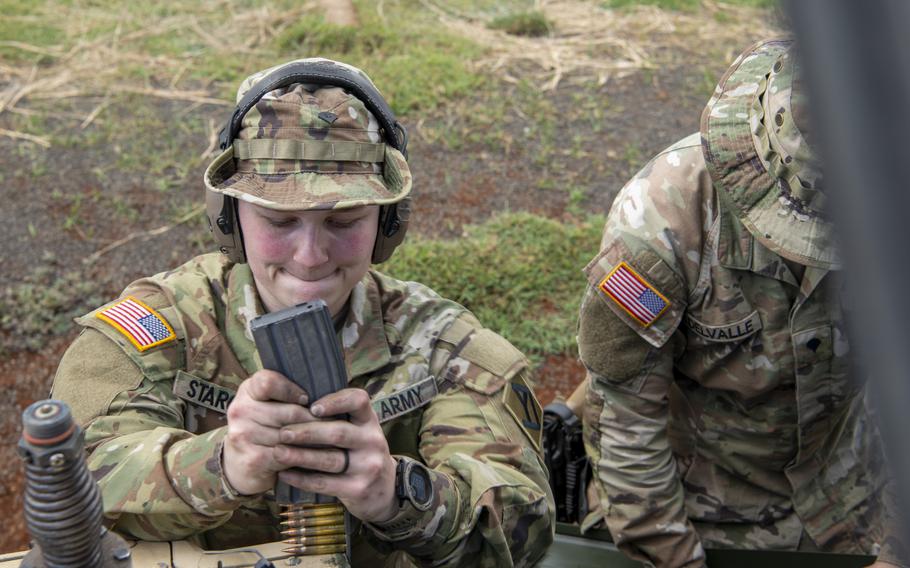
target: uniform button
<point>813,343</point>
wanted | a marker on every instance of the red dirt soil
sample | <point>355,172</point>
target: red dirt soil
<point>16,394</point>
<point>558,377</point>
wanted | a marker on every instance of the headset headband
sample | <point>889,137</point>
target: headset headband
<point>393,218</point>
<point>321,74</point>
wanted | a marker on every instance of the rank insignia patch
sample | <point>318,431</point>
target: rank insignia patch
<point>139,323</point>
<point>634,295</point>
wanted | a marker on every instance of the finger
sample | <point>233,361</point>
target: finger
<point>319,482</point>
<point>366,489</point>
<point>328,460</point>
<point>333,433</point>
<point>352,401</point>
<point>251,438</point>
<point>358,484</point>
<point>256,460</point>
<point>267,413</point>
<point>310,481</point>
<point>266,385</point>
<point>249,468</point>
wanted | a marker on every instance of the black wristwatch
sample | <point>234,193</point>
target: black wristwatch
<point>413,484</point>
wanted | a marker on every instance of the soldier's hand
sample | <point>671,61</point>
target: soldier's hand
<point>264,403</point>
<point>355,464</point>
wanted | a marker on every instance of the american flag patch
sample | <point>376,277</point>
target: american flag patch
<point>139,323</point>
<point>638,298</point>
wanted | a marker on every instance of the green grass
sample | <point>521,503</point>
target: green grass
<point>490,8</point>
<point>22,23</point>
<point>680,5</point>
<point>417,66</point>
<point>43,304</point>
<point>686,5</point>
<point>518,273</point>
<point>532,24</point>
<point>204,42</point>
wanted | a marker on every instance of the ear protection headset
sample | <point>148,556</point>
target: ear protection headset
<point>393,218</point>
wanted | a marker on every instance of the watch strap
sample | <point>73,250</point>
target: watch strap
<point>400,481</point>
<point>410,522</point>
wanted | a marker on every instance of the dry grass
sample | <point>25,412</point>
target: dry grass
<point>591,43</point>
<point>86,66</point>
<point>587,43</point>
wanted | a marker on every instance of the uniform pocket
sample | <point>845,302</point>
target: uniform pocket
<point>813,346</point>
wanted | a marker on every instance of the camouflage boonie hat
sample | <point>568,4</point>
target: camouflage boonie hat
<point>755,141</point>
<point>309,147</point>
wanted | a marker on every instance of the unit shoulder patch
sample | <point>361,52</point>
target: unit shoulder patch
<point>139,323</point>
<point>634,294</point>
<point>521,403</point>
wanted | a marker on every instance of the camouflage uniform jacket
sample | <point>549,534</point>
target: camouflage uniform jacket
<point>447,392</point>
<point>721,408</point>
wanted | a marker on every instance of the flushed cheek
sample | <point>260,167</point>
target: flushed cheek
<point>356,248</point>
<point>273,250</point>
<point>365,243</point>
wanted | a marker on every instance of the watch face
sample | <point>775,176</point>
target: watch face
<point>419,485</point>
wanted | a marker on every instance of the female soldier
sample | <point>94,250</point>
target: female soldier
<point>188,433</point>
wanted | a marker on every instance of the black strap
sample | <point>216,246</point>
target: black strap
<point>562,411</point>
<point>319,73</point>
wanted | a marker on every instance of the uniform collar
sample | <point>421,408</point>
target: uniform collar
<point>739,250</point>
<point>243,305</point>
<point>734,243</point>
<point>363,335</point>
<point>363,338</point>
<point>811,279</point>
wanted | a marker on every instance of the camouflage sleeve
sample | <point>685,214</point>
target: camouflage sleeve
<point>625,425</point>
<point>629,338</point>
<point>158,481</point>
<point>481,438</point>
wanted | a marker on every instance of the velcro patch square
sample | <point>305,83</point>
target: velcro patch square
<point>139,323</point>
<point>634,295</point>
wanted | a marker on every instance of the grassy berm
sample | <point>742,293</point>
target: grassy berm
<point>525,116</point>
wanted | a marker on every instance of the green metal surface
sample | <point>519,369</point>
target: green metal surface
<point>577,552</point>
<point>594,550</point>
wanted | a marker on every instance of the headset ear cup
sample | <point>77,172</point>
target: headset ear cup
<point>225,225</point>
<point>393,225</point>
